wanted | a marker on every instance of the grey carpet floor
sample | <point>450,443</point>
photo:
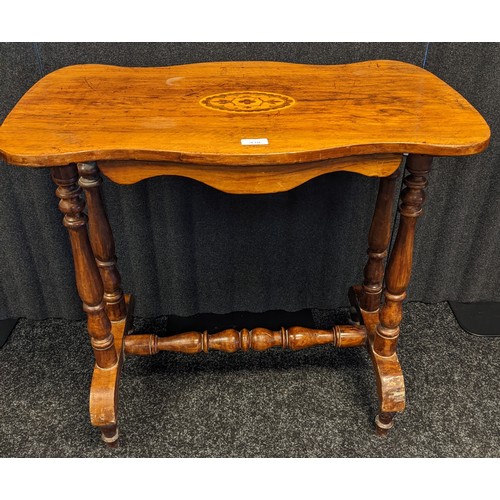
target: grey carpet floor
<point>319,402</point>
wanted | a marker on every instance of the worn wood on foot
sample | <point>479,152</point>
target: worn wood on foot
<point>388,373</point>
<point>104,387</point>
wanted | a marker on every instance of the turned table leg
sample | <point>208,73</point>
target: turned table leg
<point>88,280</point>
<point>378,243</point>
<point>398,272</point>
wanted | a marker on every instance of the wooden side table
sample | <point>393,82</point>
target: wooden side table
<point>243,128</point>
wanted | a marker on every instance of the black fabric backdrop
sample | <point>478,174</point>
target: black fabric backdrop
<point>185,248</point>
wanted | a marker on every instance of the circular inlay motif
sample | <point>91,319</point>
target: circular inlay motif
<point>247,101</point>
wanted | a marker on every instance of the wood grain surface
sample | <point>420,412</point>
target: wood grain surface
<point>198,114</point>
<point>257,339</point>
<point>104,389</point>
<point>246,179</point>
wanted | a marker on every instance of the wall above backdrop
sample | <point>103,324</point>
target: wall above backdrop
<point>201,250</point>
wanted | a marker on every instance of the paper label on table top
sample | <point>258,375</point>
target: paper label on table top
<point>253,142</point>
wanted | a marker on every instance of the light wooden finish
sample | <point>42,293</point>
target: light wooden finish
<point>257,339</point>
<point>94,112</point>
<point>252,180</point>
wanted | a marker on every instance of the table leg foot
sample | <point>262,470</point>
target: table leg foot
<point>384,421</point>
<point>105,382</point>
<point>390,389</point>
<point>388,372</point>
<point>110,436</point>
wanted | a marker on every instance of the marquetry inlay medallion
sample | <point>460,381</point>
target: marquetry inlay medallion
<point>247,101</point>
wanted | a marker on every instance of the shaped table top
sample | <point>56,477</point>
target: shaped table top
<point>239,113</point>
